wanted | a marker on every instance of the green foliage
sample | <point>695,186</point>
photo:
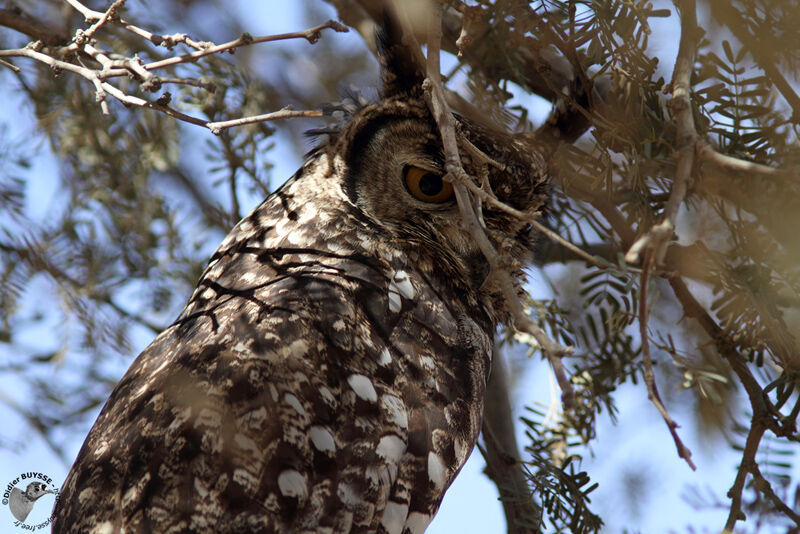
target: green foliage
<point>562,491</point>
<point>615,184</point>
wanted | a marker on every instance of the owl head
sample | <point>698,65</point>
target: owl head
<point>390,154</point>
<point>36,490</point>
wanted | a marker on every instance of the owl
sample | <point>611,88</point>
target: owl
<point>328,373</point>
<point>21,502</point>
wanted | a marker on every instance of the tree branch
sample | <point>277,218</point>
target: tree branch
<point>544,74</point>
<point>18,21</point>
<point>312,35</point>
<point>435,95</point>
<point>657,238</point>
<point>765,415</point>
<point>113,68</point>
<point>502,453</point>
<point>649,376</point>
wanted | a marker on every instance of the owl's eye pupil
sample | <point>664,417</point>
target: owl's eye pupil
<point>431,184</point>
<point>427,186</point>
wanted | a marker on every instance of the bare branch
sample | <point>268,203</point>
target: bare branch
<point>435,96</point>
<point>725,163</point>
<point>285,113</point>
<point>82,36</point>
<point>167,41</point>
<point>658,236</point>
<point>748,462</point>
<point>16,20</point>
<point>113,68</point>
<point>311,34</point>
<point>649,376</point>
<point>502,453</point>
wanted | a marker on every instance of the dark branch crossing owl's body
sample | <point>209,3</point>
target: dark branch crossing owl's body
<point>328,373</point>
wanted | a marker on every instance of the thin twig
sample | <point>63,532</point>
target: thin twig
<point>435,96</point>
<point>285,113</point>
<point>82,36</point>
<point>658,236</point>
<point>167,41</point>
<point>311,34</point>
<point>765,415</point>
<point>33,28</point>
<point>763,485</point>
<point>749,168</point>
<point>649,376</point>
<point>83,42</point>
<point>103,88</point>
<point>10,65</point>
<point>748,461</point>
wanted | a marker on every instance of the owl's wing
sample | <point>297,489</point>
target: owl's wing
<point>293,394</point>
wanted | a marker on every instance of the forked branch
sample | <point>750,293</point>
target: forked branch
<point>84,45</point>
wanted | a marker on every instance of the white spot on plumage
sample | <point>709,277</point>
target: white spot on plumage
<point>327,396</point>
<point>292,484</point>
<point>103,528</point>
<point>130,496</point>
<point>294,402</point>
<point>363,387</point>
<point>338,325</point>
<point>139,392</point>
<point>295,238</point>
<point>427,362</point>
<point>200,488</point>
<point>394,517</point>
<point>395,305</point>
<point>179,417</point>
<point>403,284</point>
<point>207,294</point>
<point>248,277</point>
<point>384,358</point>
<point>391,448</point>
<point>395,410</point>
<point>322,439</point>
<point>298,348</point>
<point>437,472</point>
<point>209,418</point>
<point>348,495</point>
<point>462,449</point>
<point>101,449</point>
<point>418,522</point>
<point>247,444</point>
<point>246,479</point>
<point>399,286</point>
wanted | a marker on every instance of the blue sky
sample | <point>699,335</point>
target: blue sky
<point>638,443</point>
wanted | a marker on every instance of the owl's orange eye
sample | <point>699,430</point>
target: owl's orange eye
<point>427,186</point>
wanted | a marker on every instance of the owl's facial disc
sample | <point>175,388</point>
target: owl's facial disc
<point>395,175</point>
<point>396,172</point>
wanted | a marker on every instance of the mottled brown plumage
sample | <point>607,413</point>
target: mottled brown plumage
<point>328,373</point>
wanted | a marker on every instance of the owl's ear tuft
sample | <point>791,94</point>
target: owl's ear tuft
<point>402,64</point>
